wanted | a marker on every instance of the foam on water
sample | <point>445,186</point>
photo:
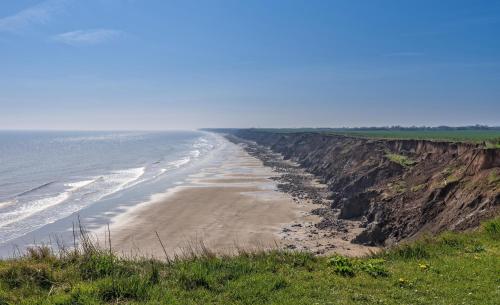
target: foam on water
<point>6,203</point>
<point>52,176</point>
<point>181,162</point>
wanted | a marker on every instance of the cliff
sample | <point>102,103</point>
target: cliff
<point>398,188</point>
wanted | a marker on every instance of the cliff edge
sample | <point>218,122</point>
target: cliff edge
<point>399,189</point>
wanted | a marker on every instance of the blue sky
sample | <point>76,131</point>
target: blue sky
<point>159,64</point>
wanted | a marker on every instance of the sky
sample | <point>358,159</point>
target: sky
<point>160,64</point>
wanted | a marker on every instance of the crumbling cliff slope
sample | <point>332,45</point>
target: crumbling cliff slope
<point>399,188</point>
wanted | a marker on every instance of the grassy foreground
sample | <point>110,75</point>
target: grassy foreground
<point>449,269</point>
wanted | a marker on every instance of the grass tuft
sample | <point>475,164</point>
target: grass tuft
<point>492,228</point>
<point>25,274</point>
<point>375,267</point>
<point>128,288</point>
<point>413,251</point>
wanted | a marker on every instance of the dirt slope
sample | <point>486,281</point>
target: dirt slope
<point>398,188</point>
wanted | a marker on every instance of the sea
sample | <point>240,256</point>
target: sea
<point>50,180</point>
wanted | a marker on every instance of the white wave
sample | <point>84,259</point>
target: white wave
<point>125,178</point>
<point>201,147</point>
<point>77,185</point>
<point>195,153</point>
<point>100,186</point>
<point>179,163</point>
<point>202,142</point>
<point>32,207</point>
<point>7,203</point>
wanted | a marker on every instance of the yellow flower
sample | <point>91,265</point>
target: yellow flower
<point>423,266</point>
<point>403,282</point>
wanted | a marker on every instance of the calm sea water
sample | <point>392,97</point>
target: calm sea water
<point>45,177</point>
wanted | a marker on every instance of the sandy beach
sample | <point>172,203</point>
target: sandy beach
<point>231,204</point>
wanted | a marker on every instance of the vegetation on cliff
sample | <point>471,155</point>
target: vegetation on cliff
<point>452,268</point>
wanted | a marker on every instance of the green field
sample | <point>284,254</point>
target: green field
<point>490,137</point>
<point>449,269</point>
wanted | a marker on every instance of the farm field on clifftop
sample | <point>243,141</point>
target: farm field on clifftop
<point>489,136</point>
<point>453,268</point>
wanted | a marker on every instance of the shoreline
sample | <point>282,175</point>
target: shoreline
<point>237,202</point>
<point>95,213</point>
<point>231,204</point>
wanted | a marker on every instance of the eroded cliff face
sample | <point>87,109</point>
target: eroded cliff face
<point>399,188</point>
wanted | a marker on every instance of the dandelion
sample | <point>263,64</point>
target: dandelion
<point>423,266</point>
<point>403,282</point>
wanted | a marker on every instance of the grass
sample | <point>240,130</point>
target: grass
<point>397,187</point>
<point>418,188</point>
<point>490,137</point>
<point>401,160</point>
<point>452,268</point>
<point>494,177</point>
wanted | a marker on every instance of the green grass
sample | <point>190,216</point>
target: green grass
<point>490,137</point>
<point>401,160</point>
<point>449,269</point>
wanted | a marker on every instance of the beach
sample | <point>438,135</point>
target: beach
<point>233,204</point>
<point>229,205</point>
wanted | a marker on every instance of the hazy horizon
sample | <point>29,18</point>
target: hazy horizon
<point>172,65</point>
<point>229,127</point>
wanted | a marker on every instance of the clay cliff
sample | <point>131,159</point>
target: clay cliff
<point>398,188</point>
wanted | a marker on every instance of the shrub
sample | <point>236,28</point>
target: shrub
<point>342,265</point>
